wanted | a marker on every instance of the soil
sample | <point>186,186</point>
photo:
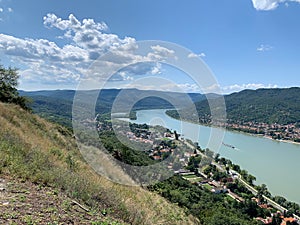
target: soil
<point>22,202</point>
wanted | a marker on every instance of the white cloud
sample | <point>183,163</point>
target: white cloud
<point>47,62</point>
<point>159,53</point>
<point>270,4</point>
<point>156,69</point>
<point>189,88</point>
<point>265,4</point>
<point>1,9</point>
<point>240,87</point>
<point>193,88</point>
<point>165,86</point>
<point>214,88</point>
<point>193,55</point>
<point>10,10</point>
<point>264,48</point>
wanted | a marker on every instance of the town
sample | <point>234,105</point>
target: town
<point>289,132</point>
<point>208,170</point>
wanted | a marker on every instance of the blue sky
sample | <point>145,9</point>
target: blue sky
<point>247,44</point>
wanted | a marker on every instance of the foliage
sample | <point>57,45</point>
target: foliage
<point>8,87</point>
<point>270,106</point>
<point>122,152</point>
<point>47,155</point>
<point>208,207</point>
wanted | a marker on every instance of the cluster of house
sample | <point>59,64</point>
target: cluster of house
<point>290,132</point>
<point>159,148</point>
<point>217,187</point>
<point>285,132</point>
<point>143,138</point>
<point>269,220</point>
<point>284,220</point>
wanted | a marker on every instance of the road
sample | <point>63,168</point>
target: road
<point>248,186</point>
<point>269,201</point>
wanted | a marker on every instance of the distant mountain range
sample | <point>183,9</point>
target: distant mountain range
<point>263,105</point>
<point>56,105</point>
<point>278,105</point>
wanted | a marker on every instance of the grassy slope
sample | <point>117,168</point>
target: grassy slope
<point>23,202</point>
<point>46,154</point>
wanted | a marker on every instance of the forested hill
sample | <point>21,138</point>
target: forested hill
<point>280,106</point>
<point>56,105</point>
<point>265,105</point>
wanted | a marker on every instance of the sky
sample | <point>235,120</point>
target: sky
<point>246,44</point>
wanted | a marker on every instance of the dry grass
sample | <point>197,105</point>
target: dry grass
<point>45,153</point>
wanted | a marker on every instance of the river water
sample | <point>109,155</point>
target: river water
<point>274,163</point>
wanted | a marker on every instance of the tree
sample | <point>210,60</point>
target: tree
<point>217,157</point>
<point>250,179</point>
<point>176,135</point>
<point>9,76</point>
<point>236,168</point>
<point>276,220</point>
<point>8,87</point>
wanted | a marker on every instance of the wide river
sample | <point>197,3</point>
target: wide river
<point>274,163</point>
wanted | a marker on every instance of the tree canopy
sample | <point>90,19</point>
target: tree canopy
<point>8,87</point>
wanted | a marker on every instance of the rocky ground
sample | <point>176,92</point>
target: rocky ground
<point>22,202</point>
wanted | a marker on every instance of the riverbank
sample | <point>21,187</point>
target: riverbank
<point>232,129</point>
<point>255,153</point>
<point>254,189</point>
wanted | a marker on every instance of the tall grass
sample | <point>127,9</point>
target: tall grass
<point>36,150</point>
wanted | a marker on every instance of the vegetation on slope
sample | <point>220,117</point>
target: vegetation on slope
<point>270,106</point>
<point>46,154</point>
<point>208,207</point>
<point>56,105</point>
<point>265,105</point>
<point>24,202</point>
<point>8,83</point>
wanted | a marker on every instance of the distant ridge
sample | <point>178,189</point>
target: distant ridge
<point>56,105</point>
<point>275,105</point>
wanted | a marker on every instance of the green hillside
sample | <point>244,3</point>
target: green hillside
<point>280,106</point>
<point>46,155</point>
<point>46,158</point>
<point>265,105</point>
<point>56,105</point>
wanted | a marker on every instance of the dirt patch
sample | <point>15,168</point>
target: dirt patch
<point>22,202</point>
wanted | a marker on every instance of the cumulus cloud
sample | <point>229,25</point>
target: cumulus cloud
<point>193,88</point>
<point>189,88</point>
<point>167,86</point>
<point>193,55</point>
<point>270,4</point>
<point>264,48</point>
<point>1,9</point>
<point>10,10</point>
<point>239,87</point>
<point>159,53</point>
<point>86,40</point>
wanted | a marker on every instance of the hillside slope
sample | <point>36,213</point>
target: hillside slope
<point>281,106</point>
<point>265,105</point>
<point>46,155</point>
<point>56,105</point>
<point>24,202</point>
